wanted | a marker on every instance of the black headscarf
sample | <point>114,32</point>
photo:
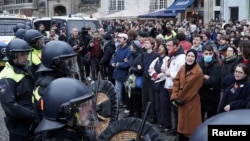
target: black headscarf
<point>190,67</point>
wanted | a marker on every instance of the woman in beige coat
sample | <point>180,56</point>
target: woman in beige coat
<point>185,95</point>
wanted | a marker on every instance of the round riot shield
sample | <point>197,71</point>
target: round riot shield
<point>126,129</point>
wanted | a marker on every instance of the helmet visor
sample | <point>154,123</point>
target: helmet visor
<point>68,65</point>
<point>39,43</point>
<point>85,114</point>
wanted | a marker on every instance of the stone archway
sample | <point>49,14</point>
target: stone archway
<point>60,11</point>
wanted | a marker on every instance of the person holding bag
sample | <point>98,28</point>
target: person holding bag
<point>134,82</point>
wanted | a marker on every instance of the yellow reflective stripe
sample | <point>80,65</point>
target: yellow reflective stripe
<point>36,56</point>
<point>36,94</point>
<point>8,72</point>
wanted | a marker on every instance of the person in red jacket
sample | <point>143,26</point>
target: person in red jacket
<point>186,45</point>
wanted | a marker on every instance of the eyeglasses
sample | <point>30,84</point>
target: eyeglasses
<point>239,72</point>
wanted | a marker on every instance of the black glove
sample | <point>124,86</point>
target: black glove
<point>178,102</point>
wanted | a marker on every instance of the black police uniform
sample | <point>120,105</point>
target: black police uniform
<point>16,86</point>
<point>61,98</point>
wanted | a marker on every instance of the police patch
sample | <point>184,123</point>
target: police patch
<point>2,88</point>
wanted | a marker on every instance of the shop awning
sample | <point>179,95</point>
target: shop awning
<point>179,6</point>
<point>158,14</point>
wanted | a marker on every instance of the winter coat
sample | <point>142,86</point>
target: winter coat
<point>109,50</point>
<point>185,90</point>
<point>211,88</point>
<point>236,98</point>
<point>121,70</point>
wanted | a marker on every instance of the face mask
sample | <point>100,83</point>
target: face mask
<point>208,58</point>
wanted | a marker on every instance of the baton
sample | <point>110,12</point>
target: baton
<point>143,122</point>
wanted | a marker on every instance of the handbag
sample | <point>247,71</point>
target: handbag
<point>138,82</point>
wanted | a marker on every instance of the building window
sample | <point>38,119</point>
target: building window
<point>157,4</point>
<point>116,5</point>
<point>163,4</point>
<point>112,5</point>
<point>217,2</point>
<point>153,5</point>
<point>202,3</point>
<point>90,1</point>
<point>19,1</point>
<point>120,5</point>
<point>196,3</point>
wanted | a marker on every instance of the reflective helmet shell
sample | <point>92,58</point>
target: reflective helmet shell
<point>16,45</point>
<point>64,91</point>
<point>20,33</point>
<point>18,26</point>
<point>31,35</point>
<point>55,49</point>
<point>235,117</point>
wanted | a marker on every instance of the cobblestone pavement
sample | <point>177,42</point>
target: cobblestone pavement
<point>4,135</point>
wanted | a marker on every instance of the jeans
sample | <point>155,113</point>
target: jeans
<point>118,90</point>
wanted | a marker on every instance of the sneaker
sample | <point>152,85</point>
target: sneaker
<point>126,111</point>
<point>163,130</point>
<point>122,106</point>
<point>89,79</point>
<point>92,82</point>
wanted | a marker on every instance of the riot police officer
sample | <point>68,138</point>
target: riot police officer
<point>16,86</point>
<point>58,60</point>
<point>18,26</point>
<point>35,39</point>
<point>20,33</point>
<point>68,110</point>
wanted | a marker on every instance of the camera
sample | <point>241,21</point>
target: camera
<point>84,30</point>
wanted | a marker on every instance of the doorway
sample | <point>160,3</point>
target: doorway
<point>234,13</point>
<point>60,11</point>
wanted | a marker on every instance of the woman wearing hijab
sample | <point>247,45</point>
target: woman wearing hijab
<point>235,95</point>
<point>186,97</point>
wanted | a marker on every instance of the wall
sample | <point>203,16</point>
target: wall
<point>243,8</point>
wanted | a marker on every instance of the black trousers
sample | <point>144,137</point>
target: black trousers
<point>174,111</point>
<point>162,105</point>
<point>148,95</point>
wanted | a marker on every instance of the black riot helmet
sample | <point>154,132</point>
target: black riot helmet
<point>60,56</point>
<point>18,26</point>
<point>16,49</point>
<point>234,117</point>
<point>34,38</point>
<point>20,33</point>
<point>67,101</point>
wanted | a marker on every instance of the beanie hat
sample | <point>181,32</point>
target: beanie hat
<point>208,34</point>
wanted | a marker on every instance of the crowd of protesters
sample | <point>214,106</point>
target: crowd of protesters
<point>189,71</point>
